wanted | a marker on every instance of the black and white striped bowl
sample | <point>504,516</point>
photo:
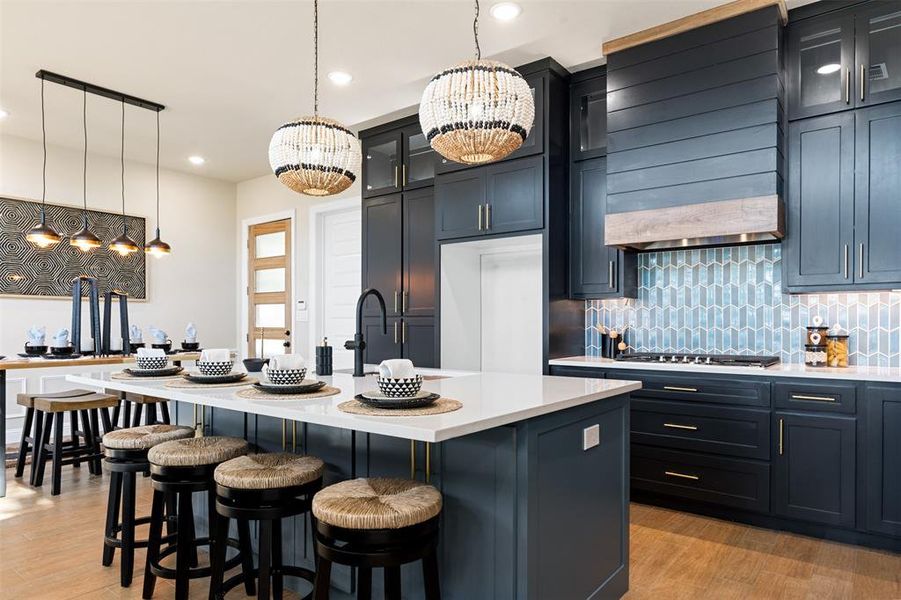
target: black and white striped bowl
<point>215,368</point>
<point>285,376</point>
<point>400,387</point>
<point>148,363</point>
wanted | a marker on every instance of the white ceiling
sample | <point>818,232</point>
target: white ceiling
<point>231,72</point>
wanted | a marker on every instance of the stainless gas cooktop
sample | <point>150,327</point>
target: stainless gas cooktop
<point>723,360</point>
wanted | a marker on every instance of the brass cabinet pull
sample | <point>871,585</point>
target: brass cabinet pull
<point>404,178</point>
<point>395,176</point>
<point>863,80</point>
<point>847,86</point>
<point>846,261</point>
<point>781,436</point>
<point>487,217</point>
<point>860,261</point>
<point>677,426</point>
<point>403,300</point>
<point>673,388</point>
<point>395,332</point>
<point>681,475</point>
<point>481,208</point>
<point>817,398</point>
<point>610,274</point>
<point>395,300</point>
<point>403,332</point>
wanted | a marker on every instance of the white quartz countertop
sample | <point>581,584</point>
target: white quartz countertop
<point>854,373</point>
<point>489,400</point>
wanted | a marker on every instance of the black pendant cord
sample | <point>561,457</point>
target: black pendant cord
<point>475,32</point>
<point>44,143</point>
<point>315,58</point>
<point>84,178</point>
<point>157,174</point>
<point>122,163</point>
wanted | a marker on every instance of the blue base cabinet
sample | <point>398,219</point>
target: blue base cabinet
<point>883,452</point>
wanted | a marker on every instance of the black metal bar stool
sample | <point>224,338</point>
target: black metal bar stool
<point>54,408</point>
<point>126,456</point>
<point>177,470</point>
<point>372,523</point>
<point>265,488</point>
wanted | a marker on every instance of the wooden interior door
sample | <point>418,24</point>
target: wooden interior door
<point>269,289</point>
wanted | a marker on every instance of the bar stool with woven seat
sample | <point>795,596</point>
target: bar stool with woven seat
<point>178,469</point>
<point>265,488</point>
<point>126,456</point>
<point>369,523</point>
<point>54,408</point>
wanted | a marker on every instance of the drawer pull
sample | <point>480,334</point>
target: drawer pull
<point>815,398</point>
<point>681,475</point>
<point>677,426</point>
<point>673,388</point>
<point>781,437</point>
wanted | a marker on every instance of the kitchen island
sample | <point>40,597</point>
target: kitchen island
<point>533,470</point>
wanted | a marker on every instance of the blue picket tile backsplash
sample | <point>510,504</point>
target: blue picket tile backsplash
<point>730,300</point>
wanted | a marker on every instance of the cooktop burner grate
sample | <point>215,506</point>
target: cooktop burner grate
<point>723,360</point>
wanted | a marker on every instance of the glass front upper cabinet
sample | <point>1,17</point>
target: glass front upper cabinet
<point>418,169</point>
<point>382,164</point>
<point>878,36</point>
<point>588,118</point>
<point>821,66</point>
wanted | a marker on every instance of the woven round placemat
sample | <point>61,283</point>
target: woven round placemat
<point>122,375</point>
<point>183,384</point>
<point>441,405</point>
<point>255,394</point>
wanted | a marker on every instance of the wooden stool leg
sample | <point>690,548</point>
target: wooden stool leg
<point>74,435</point>
<point>392,583</point>
<point>150,418</point>
<point>265,559</point>
<point>364,583</point>
<point>88,437</point>
<point>278,580</point>
<point>23,445</point>
<point>430,576</point>
<point>57,454</point>
<point>37,473</point>
<point>126,418</point>
<point>186,522</point>
<point>128,529</point>
<point>137,420</point>
<point>218,546</point>
<point>106,421</point>
<point>115,416</point>
<point>323,580</point>
<point>246,550</point>
<point>154,539</point>
<point>171,514</point>
<point>186,548</point>
<point>36,443</point>
<point>112,515</point>
<point>96,438</point>
<point>164,410</point>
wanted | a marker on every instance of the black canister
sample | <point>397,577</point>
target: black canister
<point>324,358</point>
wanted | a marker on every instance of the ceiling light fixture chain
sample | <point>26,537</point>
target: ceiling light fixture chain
<point>475,32</point>
<point>315,58</point>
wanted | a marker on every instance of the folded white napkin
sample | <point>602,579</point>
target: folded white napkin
<point>397,368</point>
<point>36,335</point>
<point>61,339</point>
<point>151,352</point>
<point>287,361</point>
<point>216,355</point>
<point>190,333</point>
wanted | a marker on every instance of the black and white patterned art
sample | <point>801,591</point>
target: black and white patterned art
<point>26,270</point>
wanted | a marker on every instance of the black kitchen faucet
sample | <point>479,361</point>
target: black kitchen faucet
<point>358,344</point>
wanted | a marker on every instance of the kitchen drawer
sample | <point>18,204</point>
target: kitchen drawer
<point>824,396</point>
<point>726,481</point>
<point>742,432</point>
<point>688,388</point>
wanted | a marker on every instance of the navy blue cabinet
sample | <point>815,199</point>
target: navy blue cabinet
<point>814,467</point>
<point>383,251</point>
<point>588,116</point>
<point>883,452</point>
<point>396,157</point>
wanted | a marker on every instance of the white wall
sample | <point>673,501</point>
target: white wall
<point>267,196</point>
<point>195,283</point>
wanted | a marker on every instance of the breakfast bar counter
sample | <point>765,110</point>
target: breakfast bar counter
<point>533,471</point>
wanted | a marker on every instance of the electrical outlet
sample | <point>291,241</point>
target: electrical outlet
<point>591,437</point>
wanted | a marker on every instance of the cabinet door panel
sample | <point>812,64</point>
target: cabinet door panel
<point>381,164</point>
<point>878,40</point>
<point>588,118</point>
<point>382,245</point>
<point>420,345</point>
<point>821,72</point>
<point>418,169</point>
<point>515,195</point>
<point>883,485</point>
<point>820,227</point>
<point>419,291</point>
<point>381,346</point>
<point>877,200</point>
<point>458,198</point>
<point>814,462</point>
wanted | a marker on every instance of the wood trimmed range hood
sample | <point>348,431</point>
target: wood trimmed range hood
<point>695,146</point>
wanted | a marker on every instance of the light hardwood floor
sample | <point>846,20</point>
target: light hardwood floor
<point>50,548</point>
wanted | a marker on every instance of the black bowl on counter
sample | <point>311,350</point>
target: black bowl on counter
<point>136,345</point>
<point>62,350</point>
<point>255,365</point>
<point>35,350</point>
<point>165,347</point>
<point>190,346</point>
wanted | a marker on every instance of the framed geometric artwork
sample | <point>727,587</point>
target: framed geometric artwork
<point>26,270</point>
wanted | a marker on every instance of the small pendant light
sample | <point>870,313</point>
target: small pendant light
<point>315,156</point>
<point>123,244</point>
<point>157,247</point>
<point>85,240</point>
<point>43,235</point>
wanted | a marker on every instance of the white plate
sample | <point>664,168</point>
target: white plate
<point>199,375</point>
<point>377,395</point>
<point>265,381</point>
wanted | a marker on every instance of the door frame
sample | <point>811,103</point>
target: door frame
<point>246,224</point>
<point>314,304</point>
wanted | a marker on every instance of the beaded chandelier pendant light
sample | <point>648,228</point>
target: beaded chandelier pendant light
<point>85,240</point>
<point>478,111</point>
<point>43,235</point>
<point>315,155</point>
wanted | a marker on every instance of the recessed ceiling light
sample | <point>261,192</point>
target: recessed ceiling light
<point>3,114</point>
<point>829,68</point>
<point>340,77</point>
<point>196,160</point>
<point>505,11</point>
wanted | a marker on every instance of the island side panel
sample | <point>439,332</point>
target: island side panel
<point>574,504</point>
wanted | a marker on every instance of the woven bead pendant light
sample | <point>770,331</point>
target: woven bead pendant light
<point>478,111</point>
<point>315,155</point>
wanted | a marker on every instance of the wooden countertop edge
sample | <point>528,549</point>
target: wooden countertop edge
<point>11,364</point>
<point>706,17</point>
